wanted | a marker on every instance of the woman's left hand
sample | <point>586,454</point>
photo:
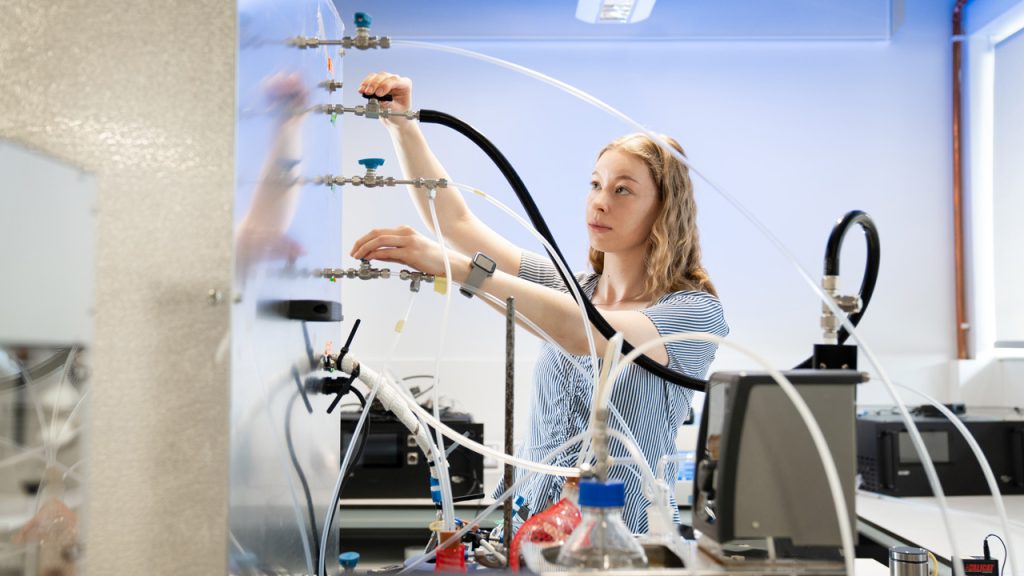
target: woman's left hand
<point>402,245</point>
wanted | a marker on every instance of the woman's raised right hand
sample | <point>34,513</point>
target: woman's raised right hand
<point>385,83</point>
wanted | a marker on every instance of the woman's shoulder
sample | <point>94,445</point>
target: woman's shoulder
<point>691,297</point>
<point>689,311</point>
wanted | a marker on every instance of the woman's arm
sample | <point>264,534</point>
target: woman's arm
<point>462,229</point>
<point>554,312</point>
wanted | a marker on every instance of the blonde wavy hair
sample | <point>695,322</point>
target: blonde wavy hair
<point>672,258</point>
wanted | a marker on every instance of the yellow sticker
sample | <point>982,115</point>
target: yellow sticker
<point>399,325</point>
<point>440,285</point>
<point>436,526</point>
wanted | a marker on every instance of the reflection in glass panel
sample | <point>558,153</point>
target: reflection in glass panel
<point>45,334</point>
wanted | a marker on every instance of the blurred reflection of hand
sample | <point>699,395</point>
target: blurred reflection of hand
<point>286,94</point>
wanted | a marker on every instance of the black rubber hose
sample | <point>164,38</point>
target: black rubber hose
<point>871,265</point>
<point>602,325</point>
<point>315,536</point>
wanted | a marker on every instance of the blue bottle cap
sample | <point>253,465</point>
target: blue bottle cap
<point>371,163</point>
<point>597,494</point>
<point>363,20</point>
<point>348,560</point>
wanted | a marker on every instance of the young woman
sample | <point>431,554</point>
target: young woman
<point>647,281</point>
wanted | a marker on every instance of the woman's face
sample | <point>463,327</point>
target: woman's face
<point>622,205</point>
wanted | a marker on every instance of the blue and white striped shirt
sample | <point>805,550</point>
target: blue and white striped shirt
<point>650,407</point>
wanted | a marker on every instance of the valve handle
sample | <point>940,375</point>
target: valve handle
<point>384,98</point>
<point>348,560</point>
<point>363,20</point>
<point>334,404</point>
<point>371,163</point>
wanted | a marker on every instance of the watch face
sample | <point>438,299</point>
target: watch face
<point>483,261</point>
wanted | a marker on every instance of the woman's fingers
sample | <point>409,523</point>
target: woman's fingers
<point>385,241</point>
<point>397,231</point>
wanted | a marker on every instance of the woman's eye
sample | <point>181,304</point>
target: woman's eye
<point>594,185</point>
<point>622,190</point>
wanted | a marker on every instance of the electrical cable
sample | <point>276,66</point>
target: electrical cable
<point>599,322</point>
<point>302,476</point>
<point>831,265</point>
<point>986,468</point>
<point>1005,550</point>
<point>336,495</point>
<point>362,442</point>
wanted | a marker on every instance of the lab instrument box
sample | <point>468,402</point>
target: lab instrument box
<point>393,467</point>
<point>888,463</point>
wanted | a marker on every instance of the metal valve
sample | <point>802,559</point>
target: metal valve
<point>362,39</point>
<point>415,278</point>
<point>831,323</point>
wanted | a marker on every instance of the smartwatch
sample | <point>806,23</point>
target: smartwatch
<point>481,269</point>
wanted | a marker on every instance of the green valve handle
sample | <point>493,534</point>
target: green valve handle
<point>363,20</point>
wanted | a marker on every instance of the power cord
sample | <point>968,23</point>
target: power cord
<point>988,555</point>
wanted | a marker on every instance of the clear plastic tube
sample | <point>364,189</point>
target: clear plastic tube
<point>412,564</point>
<point>447,504</point>
<point>373,378</point>
<point>72,414</point>
<point>571,285</point>
<point>831,473</point>
<point>37,453</point>
<point>322,568</point>
<point>52,453</point>
<point>38,408</point>
<point>915,435</point>
<point>986,469</point>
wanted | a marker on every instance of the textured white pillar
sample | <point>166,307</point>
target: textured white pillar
<point>142,95</point>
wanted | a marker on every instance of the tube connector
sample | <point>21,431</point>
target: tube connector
<point>332,85</point>
<point>830,323</point>
<point>372,109</point>
<point>364,272</point>
<point>415,278</point>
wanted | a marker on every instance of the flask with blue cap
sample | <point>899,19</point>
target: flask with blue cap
<point>602,541</point>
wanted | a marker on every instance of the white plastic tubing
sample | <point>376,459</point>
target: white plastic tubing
<point>986,469</point>
<point>842,513</point>
<point>407,412</point>
<point>447,500</point>
<point>915,435</point>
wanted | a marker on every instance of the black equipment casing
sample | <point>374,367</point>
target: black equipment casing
<point>888,463</point>
<point>393,467</point>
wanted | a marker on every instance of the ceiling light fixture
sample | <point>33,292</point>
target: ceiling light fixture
<point>613,11</point>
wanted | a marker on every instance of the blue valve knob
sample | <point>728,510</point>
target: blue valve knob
<point>371,163</point>
<point>348,560</point>
<point>363,20</point>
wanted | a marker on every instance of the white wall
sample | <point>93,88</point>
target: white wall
<point>798,132</point>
